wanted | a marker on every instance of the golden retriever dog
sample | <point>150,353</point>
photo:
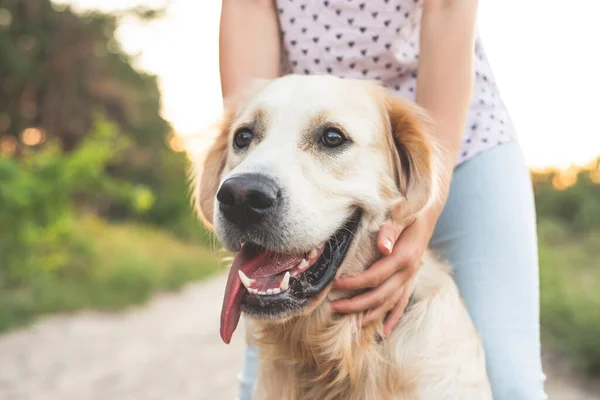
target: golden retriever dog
<point>304,172</point>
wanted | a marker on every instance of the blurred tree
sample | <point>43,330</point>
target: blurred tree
<point>572,196</point>
<point>60,69</point>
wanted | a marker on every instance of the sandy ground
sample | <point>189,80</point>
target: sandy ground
<point>167,349</point>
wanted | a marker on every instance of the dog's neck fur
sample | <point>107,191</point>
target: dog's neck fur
<point>324,355</point>
<point>337,364</point>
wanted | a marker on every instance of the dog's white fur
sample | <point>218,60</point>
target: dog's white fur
<point>389,171</point>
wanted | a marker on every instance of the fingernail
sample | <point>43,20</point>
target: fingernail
<point>388,245</point>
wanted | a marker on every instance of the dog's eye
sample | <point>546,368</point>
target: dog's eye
<point>242,138</point>
<point>332,137</point>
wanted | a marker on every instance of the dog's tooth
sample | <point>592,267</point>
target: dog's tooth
<point>313,253</point>
<point>276,290</point>
<point>261,292</point>
<point>285,282</point>
<point>269,291</point>
<point>245,280</point>
<point>303,265</point>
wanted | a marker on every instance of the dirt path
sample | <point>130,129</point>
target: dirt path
<point>167,350</point>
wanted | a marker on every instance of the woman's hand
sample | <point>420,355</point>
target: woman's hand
<point>390,278</point>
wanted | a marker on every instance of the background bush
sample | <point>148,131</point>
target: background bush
<point>38,193</point>
<point>578,204</point>
<point>569,237</point>
<point>570,293</point>
<point>56,256</point>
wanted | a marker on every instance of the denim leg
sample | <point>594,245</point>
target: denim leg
<point>487,232</point>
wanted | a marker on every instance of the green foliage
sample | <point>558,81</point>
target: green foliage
<point>60,69</point>
<point>172,208</point>
<point>38,192</point>
<point>569,246</point>
<point>124,264</point>
<point>570,293</point>
<point>53,260</point>
<point>577,206</point>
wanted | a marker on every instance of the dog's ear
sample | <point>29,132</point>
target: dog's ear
<point>416,157</point>
<point>207,169</point>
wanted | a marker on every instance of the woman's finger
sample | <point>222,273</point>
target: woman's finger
<point>370,299</point>
<point>403,256</point>
<point>377,273</point>
<point>397,312</point>
<point>380,312</point>
<point>388,236</point>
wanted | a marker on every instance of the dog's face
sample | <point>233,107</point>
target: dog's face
<point>302,166</point>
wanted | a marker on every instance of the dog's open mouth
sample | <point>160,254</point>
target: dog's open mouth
<point>268,284</point>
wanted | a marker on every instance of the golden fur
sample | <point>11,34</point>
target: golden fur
<point>435,352</point>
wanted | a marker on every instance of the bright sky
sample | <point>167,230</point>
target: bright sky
<point>544,54</point>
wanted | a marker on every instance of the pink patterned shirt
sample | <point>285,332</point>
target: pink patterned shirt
<point>379,40</point>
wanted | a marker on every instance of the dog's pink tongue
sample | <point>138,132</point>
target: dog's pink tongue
<point>245,261</point>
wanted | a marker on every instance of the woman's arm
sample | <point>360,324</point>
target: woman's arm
<point>445,74</point>
<point>444,89</point>
<point>249,44</point>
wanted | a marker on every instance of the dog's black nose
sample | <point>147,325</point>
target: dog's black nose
<point>245,199</point>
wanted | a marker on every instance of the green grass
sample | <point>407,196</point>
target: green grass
<point>570,294</point>
<point>119,265</point>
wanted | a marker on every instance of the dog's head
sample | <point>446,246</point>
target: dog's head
<point>301,168</point>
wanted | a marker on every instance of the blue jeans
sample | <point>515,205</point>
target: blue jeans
<point>488,233</point>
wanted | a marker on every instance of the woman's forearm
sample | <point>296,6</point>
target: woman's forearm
<point>249,44</point>
<point>445,78</point>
